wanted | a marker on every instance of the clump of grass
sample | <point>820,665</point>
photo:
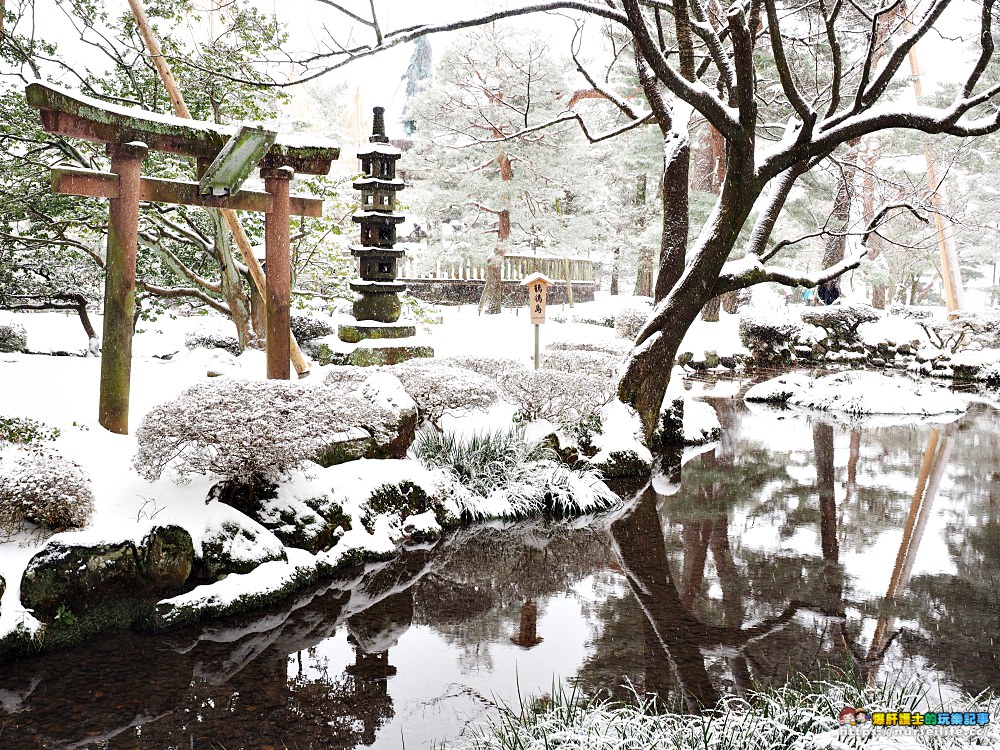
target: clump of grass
<point>502,474</point>
<point>793,717</point>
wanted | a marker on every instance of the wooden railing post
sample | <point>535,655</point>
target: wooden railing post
<point>119,287</point>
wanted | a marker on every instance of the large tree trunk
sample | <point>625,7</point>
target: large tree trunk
<point>491,301</point>
<point>673,238</point>
<point>648,371</point>
<point>644,274</point>
<point>840,215</point>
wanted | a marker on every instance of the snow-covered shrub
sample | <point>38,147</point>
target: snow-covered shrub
<point>441,389</point>
<point>491,367</point>
<point>630,320</point>
<point>910,312</point>
<point>564,397</point>
<point>594,363</point>
<point>974,329</point>
<point>248,431</point>
<point>46,490</point>
<point>503,475</point>
<point>210,340</point>
<point>22,431</point>
<point>840,321</point>
<point>306,329</point>
<point>347,376</point>
<point>13,337</point>
<point>614,347</point>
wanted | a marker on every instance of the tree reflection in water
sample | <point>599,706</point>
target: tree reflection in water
<point>736,577</point>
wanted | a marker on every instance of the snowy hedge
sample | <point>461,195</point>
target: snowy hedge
<point>306,329</point>
<point>594,363</point>
<point>45,489</point>
<point>491,367</point>
<point>250,430</point>
<point>613,347</point>
<point>630,320</point>
<point>210,340</point>
<point>440,388</point>
<point>568,398</point>
<point>13,337</point>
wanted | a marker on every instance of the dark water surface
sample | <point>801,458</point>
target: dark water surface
<point>790,545</point>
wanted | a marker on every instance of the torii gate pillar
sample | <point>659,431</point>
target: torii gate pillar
<point>277,248</point>
<point>119,286</point>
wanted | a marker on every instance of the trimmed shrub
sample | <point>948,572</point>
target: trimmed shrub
<point>210,340</point>
<point>614,348</point>
<point>441,389</point>
<point>491,367</point>
<point>594,363</point>
<point>249,431</point>
<point>13,338</point>
<point>630,320</point>
<point>564,397</point>
<point>45,489</point>
<point>841,321</point>
<point>306,329</point>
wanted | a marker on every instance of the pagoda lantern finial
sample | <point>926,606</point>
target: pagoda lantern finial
<point>378,126</point>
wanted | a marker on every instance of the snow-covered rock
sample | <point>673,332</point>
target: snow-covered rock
<point>620,450</point>
<point>859,393</point>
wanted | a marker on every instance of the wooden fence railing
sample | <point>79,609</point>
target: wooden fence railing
<point>515,268</point>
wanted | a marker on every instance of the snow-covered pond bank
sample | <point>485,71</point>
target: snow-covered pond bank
<point>779,548</point>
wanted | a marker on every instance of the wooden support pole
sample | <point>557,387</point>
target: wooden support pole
<point>277,239</point>
<point>119,287</point>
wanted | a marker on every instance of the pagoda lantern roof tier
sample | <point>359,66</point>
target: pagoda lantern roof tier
<point>361,251</point>
<point>379,149</point>
<point>377,217</point>
<point>378,287</point>
<point>376,183</point>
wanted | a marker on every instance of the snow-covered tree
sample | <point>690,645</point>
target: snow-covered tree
<point>786,88</point>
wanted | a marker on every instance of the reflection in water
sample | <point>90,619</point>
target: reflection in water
<point>792,546</point>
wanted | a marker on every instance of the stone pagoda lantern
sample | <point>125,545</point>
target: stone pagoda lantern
<point>378,288</point>
<point>377,307</point>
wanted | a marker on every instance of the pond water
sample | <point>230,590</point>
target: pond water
<point>791,545</point>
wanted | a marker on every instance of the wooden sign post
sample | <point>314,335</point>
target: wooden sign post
<point>537,284</point>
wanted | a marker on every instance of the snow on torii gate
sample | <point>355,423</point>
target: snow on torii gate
<point>225,156</point>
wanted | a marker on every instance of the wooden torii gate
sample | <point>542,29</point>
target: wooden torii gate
<point>225,157</point>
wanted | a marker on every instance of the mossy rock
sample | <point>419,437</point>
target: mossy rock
<point>238,548</point>
<point>77,578</point>
<point>353,333</point>
<point>371,356</point>
<point>403,499</point>
<point>403,433</point>
<point>315,524</point>
<point>167,616</point>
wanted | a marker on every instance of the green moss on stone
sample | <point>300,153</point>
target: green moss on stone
<point>387,355</point>
<point>352,334</point>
